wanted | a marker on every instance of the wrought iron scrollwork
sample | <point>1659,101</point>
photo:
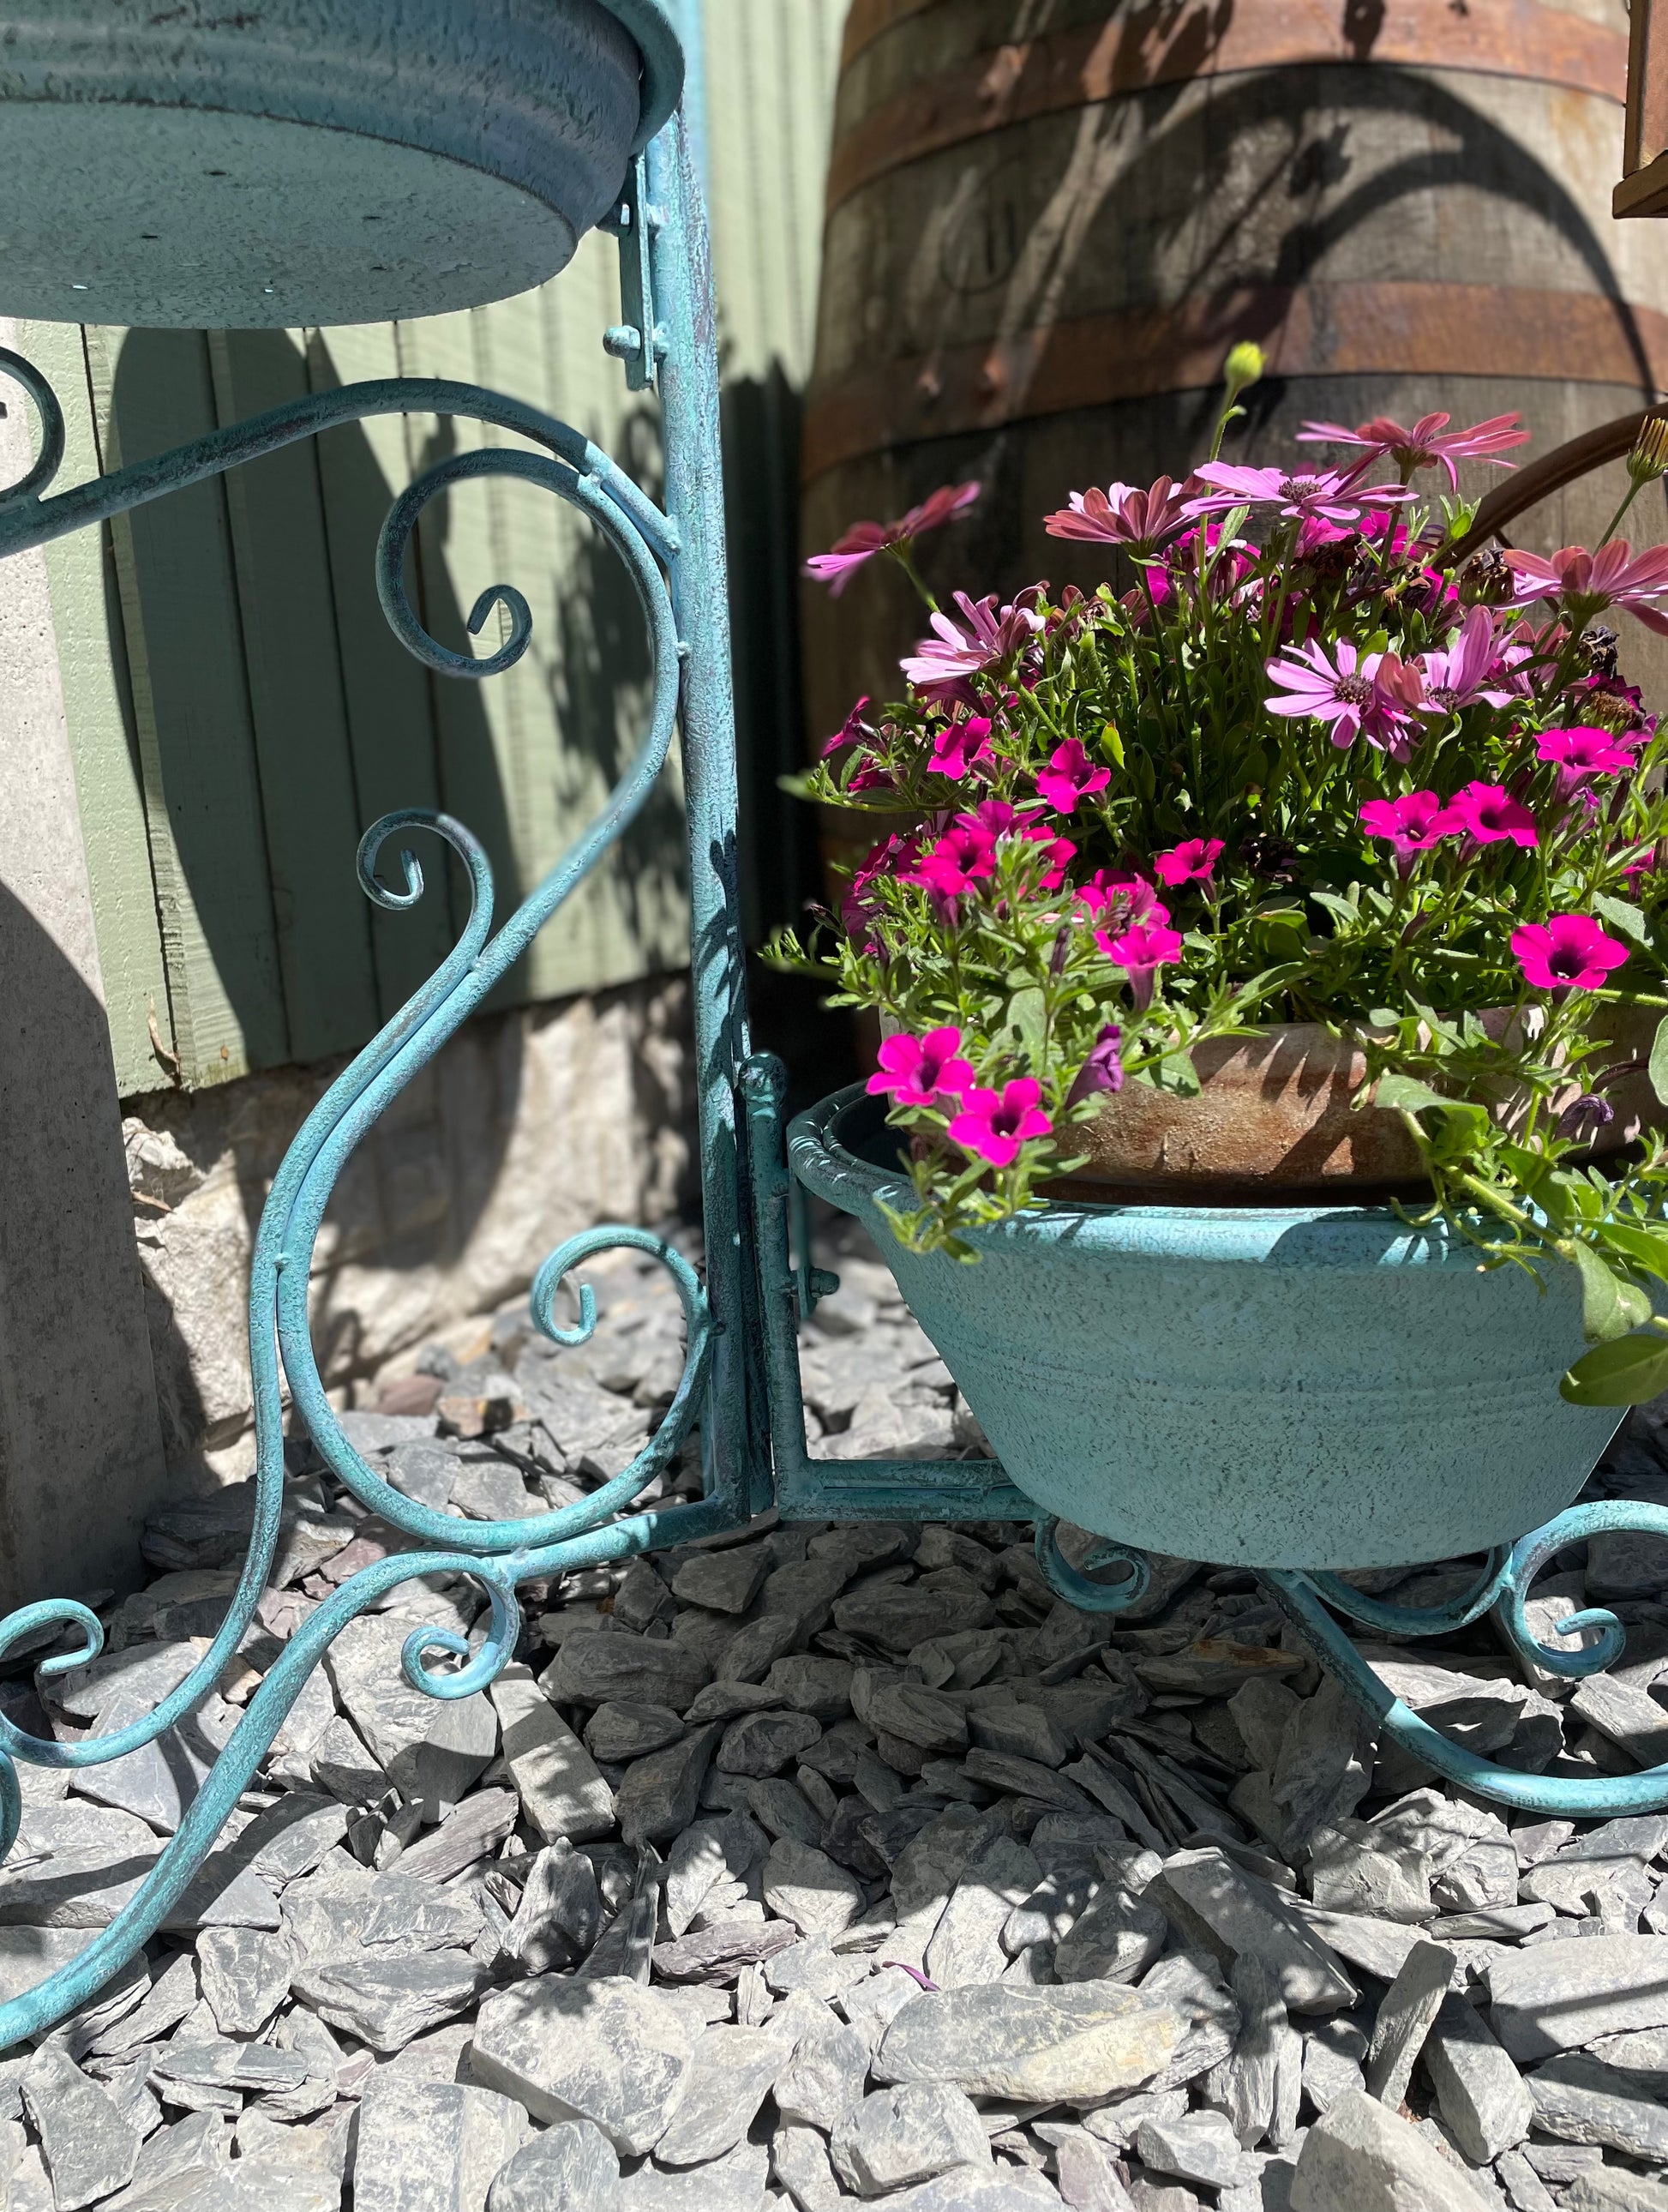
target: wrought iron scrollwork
<point>498,1555</point>
<point>1078,1584</point>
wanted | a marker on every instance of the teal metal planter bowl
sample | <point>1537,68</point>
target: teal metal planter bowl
<point>1306,1388</point>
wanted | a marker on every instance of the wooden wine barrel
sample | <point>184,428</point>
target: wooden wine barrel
<point>1037,253</point>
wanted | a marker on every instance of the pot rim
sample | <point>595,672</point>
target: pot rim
<point>823,1151</point>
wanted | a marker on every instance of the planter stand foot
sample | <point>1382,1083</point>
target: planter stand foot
<point>1503,1587</point>
<point>1077,1584</point>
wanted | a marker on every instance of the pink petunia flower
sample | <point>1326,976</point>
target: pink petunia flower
<point>1570,952</point>
<point>1141,950</point>
<point>864,539</point>
<point>1456,676</point>
<point>923,1071</point>
<point>1326,492</point>
<point>1133,897</point>
<point>1412,823</point>
<point>1339,692</point>
<point>852,728</point>
<point>1581,752</point>
<point>1068,777</point>
<point>963,855</point>
<point>1121,515</point>
<point>1059,852</point>
<point>893,856</point>
<point>1583,584</point>
<point>1490,814</point>
<point>1104,1068</point>
<point>1645,865</point>
<point>1190,862</point>
<point>1429,444</point>
<point>939,664</point>
<point>993,1125</point>
<point>955,749</point>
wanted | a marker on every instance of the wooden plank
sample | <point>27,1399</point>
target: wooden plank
<point>362,468</point>
<point>282,559</point>
<point>86,620</point>
<point>152,390</point>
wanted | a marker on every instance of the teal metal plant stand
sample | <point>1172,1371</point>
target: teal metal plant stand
<point>740,1384</point>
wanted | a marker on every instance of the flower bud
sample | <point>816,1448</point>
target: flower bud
<point>1245,365</point>
<point>1649,457</point>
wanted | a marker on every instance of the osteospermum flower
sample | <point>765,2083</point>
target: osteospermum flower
<point>1491,815</point>
<point>1568,952</point>
<point>1121,515</point>
<point>1141,950</point>
<point>1103,1070</point>
<point>1582,752</point>
<point>1338,691</point>
<point>923,1071</point>
<point>1069,777</point>
<point>940,663</point>
<point>1190,862</point>
<point>1326,493</point>
<point>1457,675</point>
<point>1429,444</point>
<point>993,1125</point>
<point>1413,823</point>
<point>1583,584</point>
<point>864,540</point>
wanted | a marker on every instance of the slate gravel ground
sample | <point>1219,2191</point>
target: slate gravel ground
<point>825,1865</point>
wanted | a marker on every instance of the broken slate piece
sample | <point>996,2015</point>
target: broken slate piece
<point>606,2052</point>
<point>1484,2103</point>
<point>1120,1934</point>
<point>598,1666</point>
<point>659,1793</point>
<point>89,2149</point>
<point>1074,2044</point>
<point>1196,2147</point>
<point>624,1730</point>
<point>560,1915</point>
<point>734,2068</point>
<point>823,2076</point>
<point>764,1743</point>
<point>1562,1996</point>
<point>571,2167</point>
<point>561,1792</point>
<point>387,2001</point>
<point>1579,2099</point>
<point>708,1852</point>
<point>1362,2157</point>
<point>1214,1903</point>
<point>807,1887</point>
<point>967,1944</point>
<point>1409,2008</point>
<point>431,2143</point>
<point>906,2134</point>
<point>726,1581</point>
<point>246,1977</point>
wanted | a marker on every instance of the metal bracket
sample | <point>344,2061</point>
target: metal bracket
<point>636,222</point>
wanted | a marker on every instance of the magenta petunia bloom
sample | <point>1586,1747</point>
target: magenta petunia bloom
<point>964,855</point>
<point>1059,852</point>
<point>850,730</point>
<point>1429,444</point>
<point>1141,950</point>
<point>1570,952</point>
<point>893,856</point>
<point>1583,584</point>
<point>1104,1068</point>
<point>1190,862</point>
<point>955,749</point>
<point>1459,674</point>
<point>924,1071</point>
<point>1340,692</point>
<point>993,1125</point>
<point>1412,823</point>
<point>1133,895</point>
<point>1068,777</point>
<point>1491,815</point>
<point>1121,515</point>
<point>940,664</point>
<point>1329,494</point>
<point>1582,751</point>
<point>864,539</point>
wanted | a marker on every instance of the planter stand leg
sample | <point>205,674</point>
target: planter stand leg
<point>1305,1598</point>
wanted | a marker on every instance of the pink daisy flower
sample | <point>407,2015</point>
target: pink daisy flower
<point>1429,444</point>
<point>1491,815</point>
<point>1583,584</point>
<point>1327,494</point>
<point>864,539</point>
<point>1339,692</point>
<point>1457,675</point>
<point>941,663</point>
<point>1568,952</point>
<point>1121,515</point>
<point>923,1071</point>
<point>993,1125</point>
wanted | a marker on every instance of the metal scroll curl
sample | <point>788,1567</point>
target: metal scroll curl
<point>1305,1598</point>
<point>498,1554</point>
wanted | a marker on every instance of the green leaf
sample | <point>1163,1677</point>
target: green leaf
<point>1609,1307</point>
<point>1626,1372</point>
<point>1645,1247</point>
<point>1027,1019</point>
<point>1396,1092</point>
<point>1658,1069</point>
<point>1623,915</point>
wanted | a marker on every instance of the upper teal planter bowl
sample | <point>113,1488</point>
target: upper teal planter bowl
<point>297,161</point>
<point>1311,1387</point>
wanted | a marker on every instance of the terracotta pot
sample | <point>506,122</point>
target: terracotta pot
<point>1273,1123</point>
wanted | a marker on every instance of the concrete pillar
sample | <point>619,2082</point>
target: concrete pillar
<point>81,1447</point>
